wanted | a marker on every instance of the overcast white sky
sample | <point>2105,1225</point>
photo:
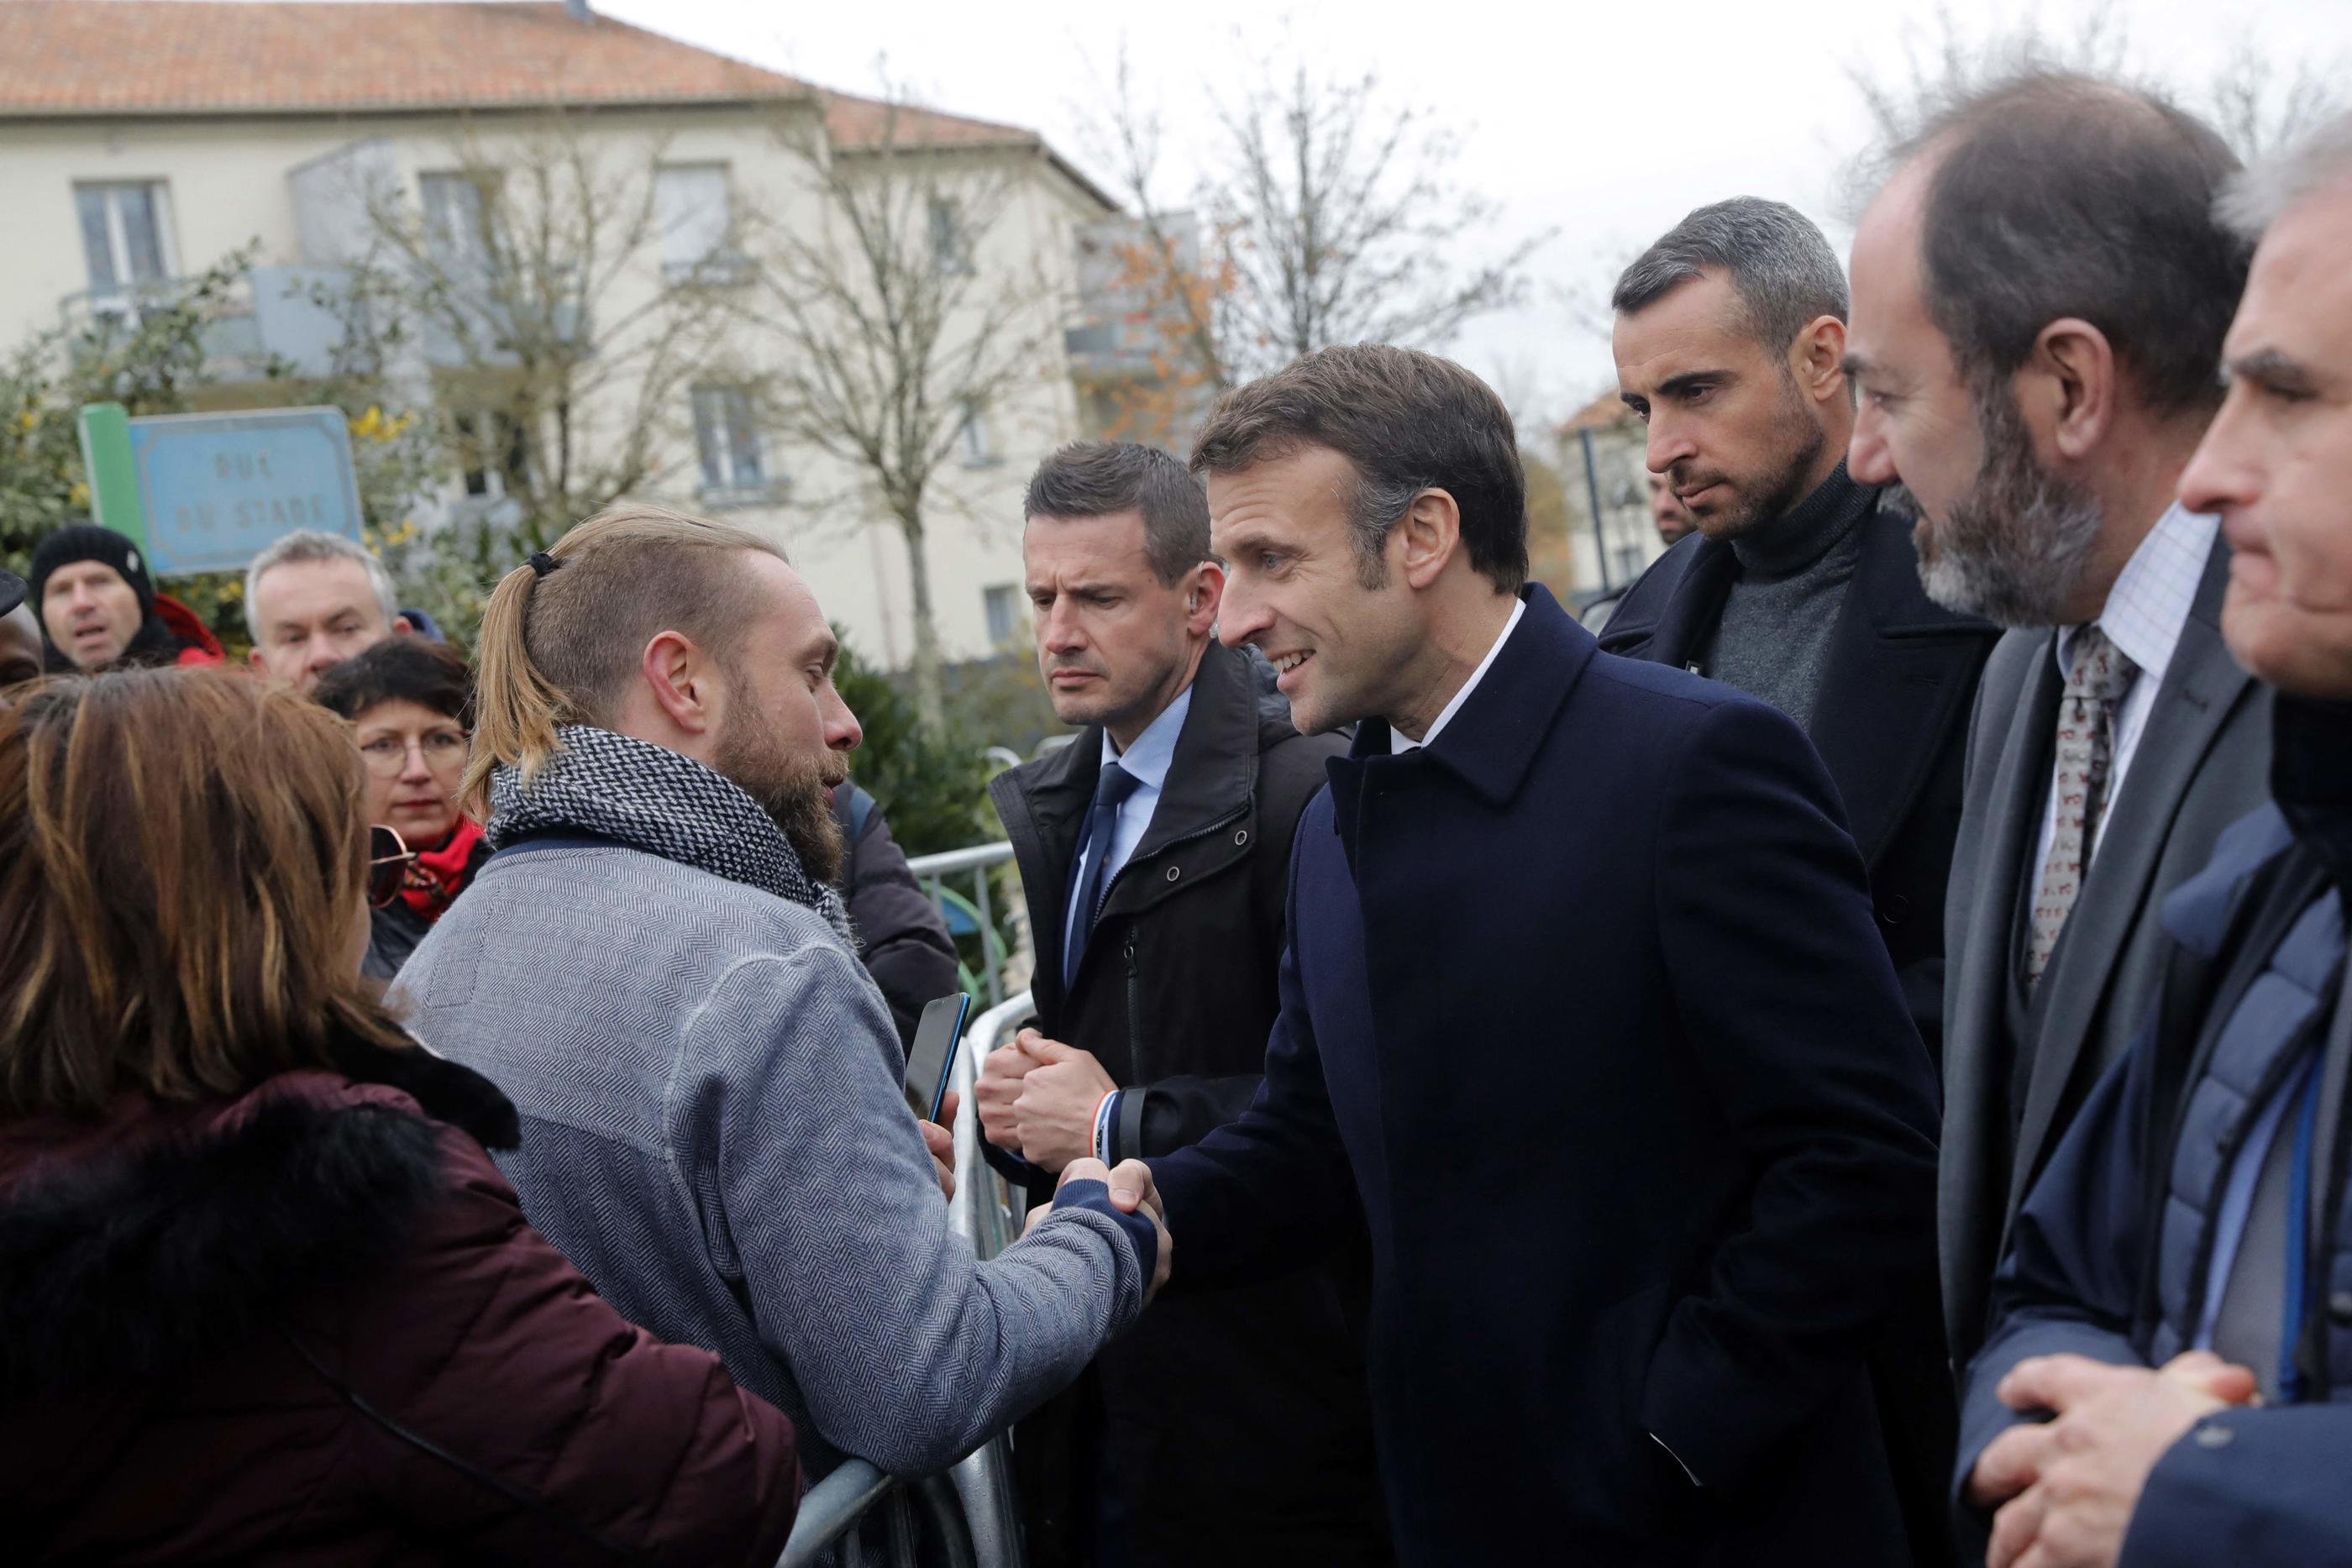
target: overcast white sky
<point>1604,122</point>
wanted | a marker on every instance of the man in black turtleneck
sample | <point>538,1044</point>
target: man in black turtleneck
<point>1796,588</point>
<point>1730,342</point>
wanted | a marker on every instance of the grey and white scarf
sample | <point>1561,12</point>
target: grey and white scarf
<point>651,799</point>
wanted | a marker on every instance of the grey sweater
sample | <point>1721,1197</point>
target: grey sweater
<point>1773,639</point>
<point>713,1132</point>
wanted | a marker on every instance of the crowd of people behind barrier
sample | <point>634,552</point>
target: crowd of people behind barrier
<point>1846,1065</point>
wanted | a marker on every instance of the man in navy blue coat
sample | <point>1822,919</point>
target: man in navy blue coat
<point>1585,1005</point>
<point>2189,1247</point>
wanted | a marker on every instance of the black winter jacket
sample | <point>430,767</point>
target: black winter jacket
<point>901,939</point>
<point>1236,1422</point>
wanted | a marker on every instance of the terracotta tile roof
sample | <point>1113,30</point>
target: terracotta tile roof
<point>110,57</point>
<point>107,58</point>
<point>867,122</point>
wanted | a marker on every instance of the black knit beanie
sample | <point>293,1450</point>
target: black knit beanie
<point>88,541</point>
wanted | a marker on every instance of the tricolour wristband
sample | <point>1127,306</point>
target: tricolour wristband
<point>1106,1120</point>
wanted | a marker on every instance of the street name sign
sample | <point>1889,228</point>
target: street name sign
<point>208,492</point>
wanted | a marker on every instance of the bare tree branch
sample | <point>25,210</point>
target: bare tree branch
<point>895,327</point>
<point>543,297</point>
<point>1332,217</point>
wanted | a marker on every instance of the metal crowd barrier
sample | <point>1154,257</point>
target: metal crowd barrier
<point>966,915</point>
<point>970,1509</point>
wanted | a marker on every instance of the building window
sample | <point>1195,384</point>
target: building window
<point>1002,602</point>
<point>126,238</point>
<point>971,436</point>
<point>495,455</point>
<point>692,205</point>
<point>457,220</point>
<point>948,251</point>
<point>729,440</point>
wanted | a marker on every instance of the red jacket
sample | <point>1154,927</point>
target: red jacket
<point>310,1325</point>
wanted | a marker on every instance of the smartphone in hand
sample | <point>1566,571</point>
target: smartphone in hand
<point>936,1038</point>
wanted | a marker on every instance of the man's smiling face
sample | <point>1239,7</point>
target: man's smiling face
<point>1300,588</point>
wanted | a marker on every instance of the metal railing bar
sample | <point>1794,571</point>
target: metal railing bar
<point>946,863</point>
<point>937,1497</point>
<point>831,1508</point>
<point>988,938</point>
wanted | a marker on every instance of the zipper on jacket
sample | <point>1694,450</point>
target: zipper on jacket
<point>1134,1012</point>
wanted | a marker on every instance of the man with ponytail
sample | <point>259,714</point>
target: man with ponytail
<point>654,968</point>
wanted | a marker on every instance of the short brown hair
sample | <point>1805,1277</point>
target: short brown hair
<point>183,854</point>
<point>1408,422</point>
<point>2056,194</point>
<point>1095,479</point>
<point>560,648</point>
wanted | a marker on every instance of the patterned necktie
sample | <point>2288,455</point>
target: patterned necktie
<point>2096,680</point>
<point>1111,792</point>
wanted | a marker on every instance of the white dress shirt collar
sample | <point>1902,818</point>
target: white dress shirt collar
<point>1398,742</point>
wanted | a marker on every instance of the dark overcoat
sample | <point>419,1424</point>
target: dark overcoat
<point>1891,722</point>
<point>1235,1420</point>
<point>1892,726</point>
<point>1584,1002</point>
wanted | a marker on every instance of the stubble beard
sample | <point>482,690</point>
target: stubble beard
<point>1801,436</point>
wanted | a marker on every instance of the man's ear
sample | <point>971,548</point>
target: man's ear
<point>1425,538</point>
<point>683,682</point>
<point>2067,388</point>
<point>1201,599</point>
<point>1817,359</point>
<point>256,660</point>
<point>401,628</point>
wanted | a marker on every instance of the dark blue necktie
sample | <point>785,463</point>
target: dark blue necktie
<point>1094,855</point>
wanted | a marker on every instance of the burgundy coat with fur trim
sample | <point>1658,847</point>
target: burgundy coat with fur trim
<point>310,1325</point>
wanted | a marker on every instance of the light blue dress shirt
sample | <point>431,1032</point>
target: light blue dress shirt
<point>1147,763</point>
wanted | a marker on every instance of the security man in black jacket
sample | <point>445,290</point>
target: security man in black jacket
<point>1154,851</point>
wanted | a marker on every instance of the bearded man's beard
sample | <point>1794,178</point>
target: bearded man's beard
<point>2016,546</point>
<point>794,788</point>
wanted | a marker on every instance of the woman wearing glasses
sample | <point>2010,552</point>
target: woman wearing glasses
<point>411,703</point>
<point>264,1298</point>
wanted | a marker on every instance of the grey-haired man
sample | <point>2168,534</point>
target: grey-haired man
<point>313,600</point>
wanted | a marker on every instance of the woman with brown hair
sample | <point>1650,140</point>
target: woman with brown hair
<point>264,1298</point>
<point>411,704</point>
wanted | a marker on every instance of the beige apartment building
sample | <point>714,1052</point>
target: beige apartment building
<point>141,141</point>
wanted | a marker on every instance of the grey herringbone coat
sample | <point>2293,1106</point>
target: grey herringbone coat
<point>713,1132</point>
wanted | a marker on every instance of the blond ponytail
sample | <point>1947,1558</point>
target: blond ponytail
<point>516,709</point>
<point>562,633</point>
